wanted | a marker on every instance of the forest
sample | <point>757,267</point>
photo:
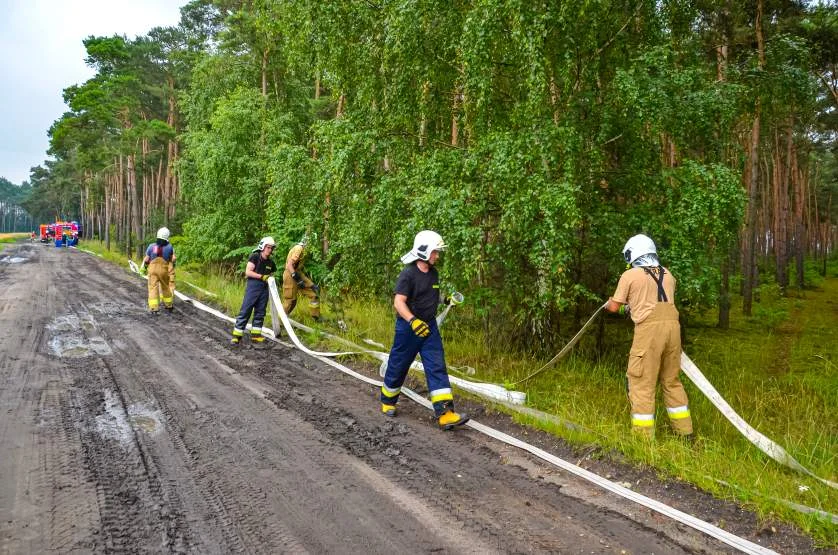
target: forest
<point>535,137</point>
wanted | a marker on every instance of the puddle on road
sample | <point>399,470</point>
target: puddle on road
<point>12,260</point>
<point>115,424</point>
<point>145,423</point>
<point>75,336</point>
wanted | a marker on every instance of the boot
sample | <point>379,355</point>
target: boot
<point>235,340</point>
<point>388,410</point>
<point>450,420</point>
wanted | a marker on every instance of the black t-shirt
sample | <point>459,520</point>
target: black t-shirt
<point>421,290</point>
<point>262,266</point>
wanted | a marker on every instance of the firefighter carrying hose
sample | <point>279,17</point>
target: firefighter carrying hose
<point>294,281</point>
<point>416,300</point>
<point>158,256</point>
<point>655,356</point>
<point>259,268</point>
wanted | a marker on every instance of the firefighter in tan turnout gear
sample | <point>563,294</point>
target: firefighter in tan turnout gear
<point>646,292</point>
<point>159,256</point>
<point>294,280</point>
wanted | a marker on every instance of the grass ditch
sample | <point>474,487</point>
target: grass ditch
<point>778,369</point>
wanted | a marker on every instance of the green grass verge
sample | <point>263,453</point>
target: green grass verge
<point>778,369</point>
<point>12,237</point>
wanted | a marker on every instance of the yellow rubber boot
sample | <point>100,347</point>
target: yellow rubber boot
<point>388,410</point>
<point>450,420</point>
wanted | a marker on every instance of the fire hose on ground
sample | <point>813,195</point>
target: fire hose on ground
<point>278,314</point>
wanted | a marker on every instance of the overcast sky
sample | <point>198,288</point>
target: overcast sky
<point>41,53</point>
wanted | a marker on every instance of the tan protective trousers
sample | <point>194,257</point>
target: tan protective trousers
<point>172,278</point>
<point>290,291</point>
<point>158,284</point>
<point>655,356</point>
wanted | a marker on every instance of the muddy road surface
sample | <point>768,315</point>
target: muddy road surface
<point>126,432</point>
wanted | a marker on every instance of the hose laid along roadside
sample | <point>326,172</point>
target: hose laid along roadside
<point>764,444</point>
<point>741,544</point>
<point>279,316</point>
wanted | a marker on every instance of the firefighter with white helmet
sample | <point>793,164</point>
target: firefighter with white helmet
<point>260,267</point>
<point>655,356</point>
<point>158,256</point>
<point>295,281</point>
<point>416,300</point>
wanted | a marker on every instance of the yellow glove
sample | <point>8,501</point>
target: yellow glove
<point>420,327</point>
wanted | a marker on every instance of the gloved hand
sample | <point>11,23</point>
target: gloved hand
<point>265,277</point>
<point>300,283</point>
<point>420,327</point>
<point>624,310</point>
<point>143,270</point>
<point>316,289</point>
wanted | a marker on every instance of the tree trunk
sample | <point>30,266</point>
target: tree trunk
<point>341,106</point>
<point>780,213</point>
<point>265,72</point>
<point>752,173</point>
<point>799,183</point>
<point>724,296</point>
<point>108,193</point>
<point>455,114</point>
<point>136,225</point>
<point>749,238</point>
<point>423,122</point>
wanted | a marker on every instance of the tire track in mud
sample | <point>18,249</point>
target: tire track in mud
<point>516,510</point>
<point>446,497</point>
<point>241,505</point>
<point>39,438</point>
<point>278,464</point>
<point>74,517</point>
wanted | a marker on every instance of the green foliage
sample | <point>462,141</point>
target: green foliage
<point>227,181</point>
<point>705,202</point>
<point>535,137</point>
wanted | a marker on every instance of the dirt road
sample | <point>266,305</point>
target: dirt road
<point>122,431</point>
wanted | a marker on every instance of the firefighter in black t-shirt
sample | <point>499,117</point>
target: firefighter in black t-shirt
<point>416,301</point>
<point>259,269</point>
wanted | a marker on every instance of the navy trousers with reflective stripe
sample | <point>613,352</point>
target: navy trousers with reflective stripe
<point>406,345</point>
<point>256,301</point>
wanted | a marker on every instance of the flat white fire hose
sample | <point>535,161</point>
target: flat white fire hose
<point>492,391</point>
<point>714,531</point>
<point>764,444</point>
<point>741,544</point>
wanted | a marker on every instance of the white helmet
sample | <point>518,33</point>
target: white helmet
<point>266,242</point>
<point>163,233</point>
<point>424,244</point>
<point>637,246</point>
